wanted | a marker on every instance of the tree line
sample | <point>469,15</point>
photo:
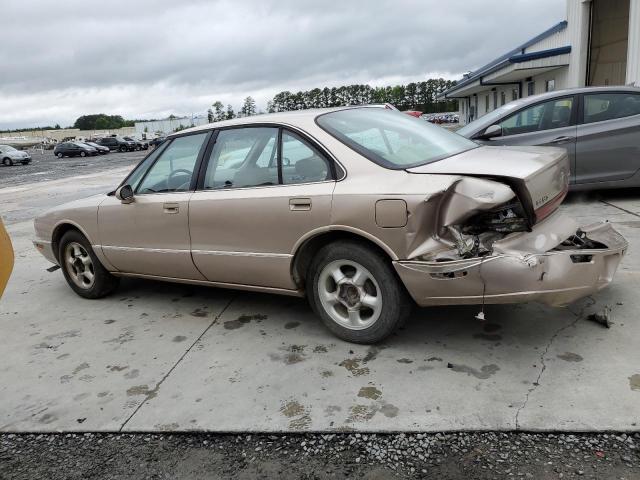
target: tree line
<point>412,96</point>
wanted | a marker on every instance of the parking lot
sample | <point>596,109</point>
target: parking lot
<point>46,166</point>
<point>156,357</point>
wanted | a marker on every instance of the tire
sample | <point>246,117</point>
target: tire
<point>83,154</point>
<point>59,155</point>
<point>123,149</point>
<point>7,162</point>
<point>78,261</point>
<point>389,303</point>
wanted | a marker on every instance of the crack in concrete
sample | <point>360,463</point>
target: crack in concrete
<point>620,208</point>
<point>579,315</point>
<point>153,392</point>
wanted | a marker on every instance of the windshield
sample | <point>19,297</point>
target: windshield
<point>7,148</point>
<point>392,139</point>
<point>487,119</point>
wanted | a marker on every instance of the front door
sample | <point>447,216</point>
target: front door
<point>550,123</point>
<point>263,190</point>
<point>150,236</point>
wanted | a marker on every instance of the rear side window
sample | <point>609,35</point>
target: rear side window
<point>301,163</point>
<point>243,157</point>
<point>539,117</point>
<point>599,107</point>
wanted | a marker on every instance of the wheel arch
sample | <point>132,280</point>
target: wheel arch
<point>58,232</point>
<point>306,249</point>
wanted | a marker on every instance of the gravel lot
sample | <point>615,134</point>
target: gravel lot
<point>320,456</point>
<point>46,166</point>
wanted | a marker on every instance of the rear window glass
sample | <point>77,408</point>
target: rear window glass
<point>392,139</point>
<point>607,106</point>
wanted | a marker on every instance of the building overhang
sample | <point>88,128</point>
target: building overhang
<point>513,70</point>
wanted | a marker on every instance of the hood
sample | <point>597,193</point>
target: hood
<point>538,175</point>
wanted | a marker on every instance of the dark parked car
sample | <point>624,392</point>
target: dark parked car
<point>156,141</point>
<point>101,150</point>
<point>117,143</point>
<point>73,149</point>
<point>140,144</point>
<point>598,126</point>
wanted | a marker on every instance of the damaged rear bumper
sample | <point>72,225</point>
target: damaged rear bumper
<point>517,271</point>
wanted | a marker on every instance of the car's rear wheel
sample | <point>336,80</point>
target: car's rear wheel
<point>356,293</point>
<point>7,162</point>
<point>81,268</point>
<point>83,154</point>
<point>59,155</point>
<point>123,149</point>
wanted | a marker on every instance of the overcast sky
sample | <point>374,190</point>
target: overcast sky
<point>144,58</point>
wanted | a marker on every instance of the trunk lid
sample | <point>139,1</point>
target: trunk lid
<point>538,175</point>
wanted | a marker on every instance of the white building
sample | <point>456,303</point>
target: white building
<point>598,44</point>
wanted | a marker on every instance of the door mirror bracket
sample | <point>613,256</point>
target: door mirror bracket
<point>125,194</point>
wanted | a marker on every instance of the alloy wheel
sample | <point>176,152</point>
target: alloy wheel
<point>79,265</point>
<point>350,294</point>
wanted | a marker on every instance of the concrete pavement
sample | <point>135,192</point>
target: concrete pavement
<point>159,356</point>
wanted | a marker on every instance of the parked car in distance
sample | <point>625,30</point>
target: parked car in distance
<point>599,127</point>
<point>366,211</point>
<point>117,143</point>
<point>10,156</point>
<point>139,144</point>
<point>73,149</point>
<point>156,141</point>
<point>101,149</point>
<point>413,113</point>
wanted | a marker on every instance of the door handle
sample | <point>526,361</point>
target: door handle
<point>170,207</point>
<point>296,204</point>
<point>563,140</point>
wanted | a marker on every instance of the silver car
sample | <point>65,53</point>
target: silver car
<point>598,126</point>
<point>10,156</point>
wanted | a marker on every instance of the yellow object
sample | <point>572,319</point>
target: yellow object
<point>6,257</point>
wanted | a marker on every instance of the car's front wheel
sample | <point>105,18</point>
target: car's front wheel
<point>81,268</point>
<point>123,149</point>
<point>59,155</point>
<point>356,293</point>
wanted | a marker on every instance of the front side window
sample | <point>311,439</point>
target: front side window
<point>243,157</point>
<point>301,163</point>
<point>392,139</point>
<point>173,171</point>
<point>607,106</point>
<point>543,116</point>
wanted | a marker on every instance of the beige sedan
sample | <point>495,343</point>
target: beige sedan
<point>366,211</point>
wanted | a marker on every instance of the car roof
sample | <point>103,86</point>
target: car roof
<point>293,116</point>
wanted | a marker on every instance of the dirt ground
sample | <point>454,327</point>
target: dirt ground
<point>320,456</point>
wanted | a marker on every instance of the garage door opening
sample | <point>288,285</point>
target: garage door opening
<point>608,42</point>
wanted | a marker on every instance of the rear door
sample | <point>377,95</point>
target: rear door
<point>608,146</point>
<point>262,190</point>
<point>548,123</point>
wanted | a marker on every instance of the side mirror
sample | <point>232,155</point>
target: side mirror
<point>492,131</point>
<point>125,194</point>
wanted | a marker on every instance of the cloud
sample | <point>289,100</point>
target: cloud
<point>147,58</point>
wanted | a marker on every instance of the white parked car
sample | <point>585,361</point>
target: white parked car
<point>10,156</point>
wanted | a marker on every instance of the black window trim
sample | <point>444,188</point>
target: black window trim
<point>318,146</point>
<point>572,121</point>
<point>607,92</point>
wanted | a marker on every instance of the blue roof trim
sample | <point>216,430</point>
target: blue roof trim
<point>552,52</point>
<point>504,59</point>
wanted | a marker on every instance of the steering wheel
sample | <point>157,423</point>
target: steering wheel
<point>175,172</point>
